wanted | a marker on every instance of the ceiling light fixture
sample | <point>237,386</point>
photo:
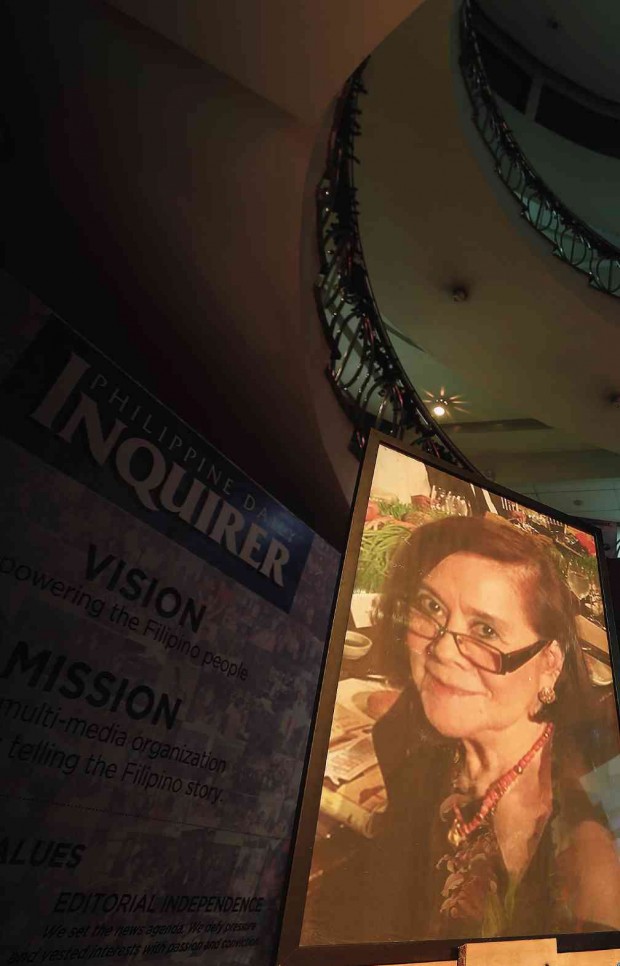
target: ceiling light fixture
<point>441,403</point>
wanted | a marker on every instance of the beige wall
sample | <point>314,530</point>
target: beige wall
<point>157,205</point>
<point>295,53</point>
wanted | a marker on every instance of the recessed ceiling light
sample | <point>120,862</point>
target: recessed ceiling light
<point>441,404</point>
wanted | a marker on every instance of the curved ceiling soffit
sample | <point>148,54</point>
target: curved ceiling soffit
<point>297,55</point>
<point>578,40</point>
<point>433,214</point>
<point>294,56</point>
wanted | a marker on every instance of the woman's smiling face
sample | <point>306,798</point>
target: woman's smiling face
<point>475,595</point>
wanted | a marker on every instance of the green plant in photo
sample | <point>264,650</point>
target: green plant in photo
<point>394,509</point>
<point>376,550</point>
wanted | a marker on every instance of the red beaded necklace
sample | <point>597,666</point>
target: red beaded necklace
<point>460,829</point>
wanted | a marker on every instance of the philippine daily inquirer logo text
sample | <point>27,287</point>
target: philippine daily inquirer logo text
<point>158,481</point>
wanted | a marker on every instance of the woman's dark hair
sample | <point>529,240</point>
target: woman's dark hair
<point>547,598</point>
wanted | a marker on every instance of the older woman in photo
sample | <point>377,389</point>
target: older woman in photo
<point>488,831</point>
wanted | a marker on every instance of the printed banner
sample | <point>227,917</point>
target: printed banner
<point>162,627</point>
<point>70,406</point>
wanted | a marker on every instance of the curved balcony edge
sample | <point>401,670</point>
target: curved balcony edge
<point>364,370</point>
<point>573,241</point>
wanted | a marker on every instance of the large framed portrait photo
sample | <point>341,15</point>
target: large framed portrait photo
<point>464,777</point>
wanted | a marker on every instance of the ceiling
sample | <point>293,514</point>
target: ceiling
<point>287,40</point>
<point>587,180</point>
<point>163,206</point>
<point>295,54</point>
<point>577,38</point>
<point>532,341</point>
<point>519,452</point>
<point>162,201</point>
<point>594,499</point>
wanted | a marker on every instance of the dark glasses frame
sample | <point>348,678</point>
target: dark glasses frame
<point>508,662</point>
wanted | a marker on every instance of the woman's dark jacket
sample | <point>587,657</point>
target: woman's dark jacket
<point>391,889</point>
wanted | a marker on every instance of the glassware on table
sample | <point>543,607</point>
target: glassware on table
<point>594,605</point>
<point>461,507</point>
<point>579,583</point>
<point>439,498</point>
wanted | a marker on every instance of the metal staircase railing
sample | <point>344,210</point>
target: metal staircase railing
<point>364,370</point>
<point>572,239</point>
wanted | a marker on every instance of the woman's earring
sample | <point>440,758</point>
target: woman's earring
<point>546,695</point>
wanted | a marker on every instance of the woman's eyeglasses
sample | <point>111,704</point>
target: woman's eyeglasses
<point>481,654</point>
